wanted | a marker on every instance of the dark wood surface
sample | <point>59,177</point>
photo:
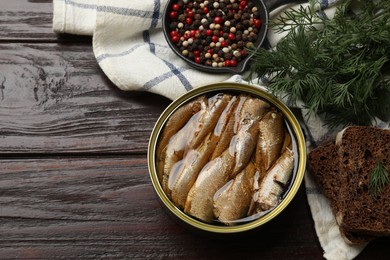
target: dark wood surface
<point>74,181</point>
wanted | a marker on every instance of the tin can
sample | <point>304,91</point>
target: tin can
<point>298,148</point>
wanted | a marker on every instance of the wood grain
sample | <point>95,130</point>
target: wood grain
<point>55,99</point>
<point>25,20</point>
<point>106,207</point>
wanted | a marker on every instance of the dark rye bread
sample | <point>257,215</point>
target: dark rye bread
<point>323,163</point>
<point>359,149</point>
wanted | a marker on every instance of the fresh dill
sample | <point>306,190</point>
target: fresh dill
<point>338,67</point>
<point>378,179</point>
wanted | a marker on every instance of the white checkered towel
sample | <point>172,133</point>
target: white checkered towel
<point>129,46</point>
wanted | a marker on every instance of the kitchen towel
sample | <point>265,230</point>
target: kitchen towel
<point>129,46</point>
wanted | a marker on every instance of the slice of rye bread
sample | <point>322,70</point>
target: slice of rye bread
<point>359,149</point>
<point>323,163</point>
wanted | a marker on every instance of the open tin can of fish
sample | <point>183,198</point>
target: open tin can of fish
<point>226,158</point>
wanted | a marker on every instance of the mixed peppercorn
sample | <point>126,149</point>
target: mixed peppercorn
<point>214,33</point>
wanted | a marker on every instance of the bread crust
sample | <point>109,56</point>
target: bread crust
<point>359,150</point>
<point>341,167</point>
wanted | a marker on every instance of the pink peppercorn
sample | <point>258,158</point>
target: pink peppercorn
<point>188,20</point>
<point>175,7</point>
<point>209,32</point>
<point>233,63</point>
<point>231,36</point>
<point>173,15</point>
<point>218,20</point>
<point>175,39</point>
<point>257,23</point>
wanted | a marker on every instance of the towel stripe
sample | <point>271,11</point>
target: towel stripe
<point>174,70</point>
<point>115,55</point>
<point>80,5</point>
<point>157,80</point>
<point>146,37</point>
<point>125,11</point>
<point>154,15</point>
<point>324,4</point>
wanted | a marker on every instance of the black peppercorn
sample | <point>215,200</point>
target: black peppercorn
<point>208,40</point>
<point>245,16</point>
<point>180,3</point>
<point>196,24</point>
<point>227,56</point>
<point>213,13</point>
<point>245,23</point>
<point>181,18</point>
<point>250,5</point>
<point>240,27</point>
<point>173,26</point>
<point>225,29</point>
<point>197,42</point>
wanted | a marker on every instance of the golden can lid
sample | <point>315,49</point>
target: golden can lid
<point>299,149</point>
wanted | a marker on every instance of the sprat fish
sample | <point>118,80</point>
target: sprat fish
<point>275,181</point>
<point>233,200</point>
<point>212,177</point>
<point>270,141</point>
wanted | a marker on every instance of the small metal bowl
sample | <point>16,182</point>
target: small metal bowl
<point>242,65</point>
<point>298,148</point>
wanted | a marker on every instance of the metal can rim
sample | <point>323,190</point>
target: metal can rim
<point>228,87</point>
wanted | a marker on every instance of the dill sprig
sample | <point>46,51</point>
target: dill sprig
<point>379,178</point>
<point>338,67</point>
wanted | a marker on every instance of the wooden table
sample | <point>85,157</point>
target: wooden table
<point>74,181</point>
